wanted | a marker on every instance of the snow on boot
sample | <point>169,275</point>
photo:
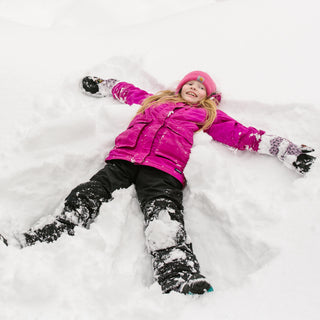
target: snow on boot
<point>97,87</point>
<point>3,240</point>
<point>175,265</point>
<point>196,284</point>
<point>49,232</point>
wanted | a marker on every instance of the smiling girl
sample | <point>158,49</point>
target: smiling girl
<point>152,154</point>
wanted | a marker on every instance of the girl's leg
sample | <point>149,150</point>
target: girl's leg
<point>83,203</point>
<point>175,265</point>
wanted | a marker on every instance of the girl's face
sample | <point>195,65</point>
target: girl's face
<point>193,92</point>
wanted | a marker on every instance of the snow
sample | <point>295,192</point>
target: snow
<point>161,232</point>
<point>253,222</point>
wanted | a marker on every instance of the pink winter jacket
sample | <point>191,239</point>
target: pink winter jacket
<point>162,136</point>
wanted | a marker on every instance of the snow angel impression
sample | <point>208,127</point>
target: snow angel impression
<point>151,154</point>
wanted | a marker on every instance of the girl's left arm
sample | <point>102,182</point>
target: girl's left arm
<point>230,132</point>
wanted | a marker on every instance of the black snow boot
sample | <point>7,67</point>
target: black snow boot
<point>196,284</point>
<point>179,274</point>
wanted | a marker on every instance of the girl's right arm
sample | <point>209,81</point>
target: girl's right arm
<point>128,93</point>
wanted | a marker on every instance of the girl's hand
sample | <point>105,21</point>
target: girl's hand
<point>304,160</point>
<point>294,157</point>
<point>97,87</point>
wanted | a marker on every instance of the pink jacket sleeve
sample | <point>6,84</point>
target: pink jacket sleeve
<point>232,133</point>
<point>129,94</point>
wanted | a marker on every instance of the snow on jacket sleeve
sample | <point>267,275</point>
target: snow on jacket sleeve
<point>129,94</point>
<point>232,133</point>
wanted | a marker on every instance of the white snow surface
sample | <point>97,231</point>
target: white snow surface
<point>254,224</point>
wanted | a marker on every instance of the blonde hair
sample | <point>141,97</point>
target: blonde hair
<point>170,96</point>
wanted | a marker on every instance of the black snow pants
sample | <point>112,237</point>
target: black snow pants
<point>160,198</point>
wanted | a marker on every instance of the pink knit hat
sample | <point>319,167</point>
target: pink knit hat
<point>202,77</point>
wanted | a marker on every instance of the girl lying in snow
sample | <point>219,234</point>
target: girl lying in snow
<point>152,154</point>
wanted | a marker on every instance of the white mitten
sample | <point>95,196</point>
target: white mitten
<point>97,87</point>
<point>293,156</point>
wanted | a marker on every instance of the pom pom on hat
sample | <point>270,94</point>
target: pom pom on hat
<point>202,77</point>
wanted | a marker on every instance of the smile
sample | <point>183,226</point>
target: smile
<point>190,93</point>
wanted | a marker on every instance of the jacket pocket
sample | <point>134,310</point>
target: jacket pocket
<point>175,146</point>
<point>130,137</point>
